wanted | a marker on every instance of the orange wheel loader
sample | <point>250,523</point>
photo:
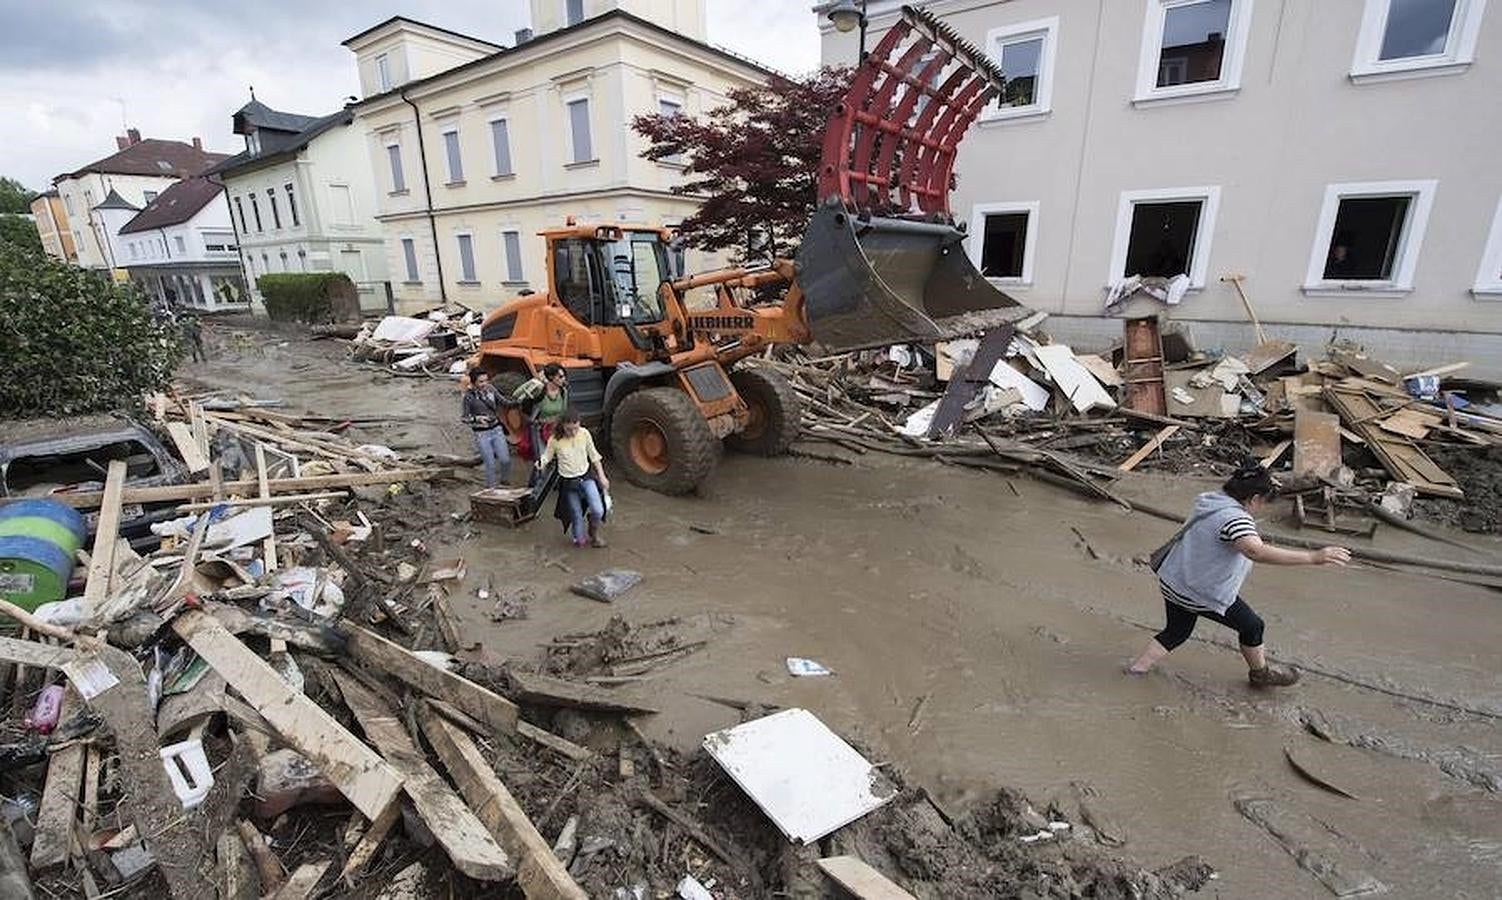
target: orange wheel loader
<point>652,357</point>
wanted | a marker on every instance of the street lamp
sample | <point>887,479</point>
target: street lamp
<point>845,15</point>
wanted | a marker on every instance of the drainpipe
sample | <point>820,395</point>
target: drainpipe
<point>239,250</point>
<point>427,196</point>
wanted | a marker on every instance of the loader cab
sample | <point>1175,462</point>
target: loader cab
<point>611,276</point>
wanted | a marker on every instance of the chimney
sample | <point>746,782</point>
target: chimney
<point>198,143</point>
<point>134,135</point>
<point>121,142</point>
<point>523,35</point>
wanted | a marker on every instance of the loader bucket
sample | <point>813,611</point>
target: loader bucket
<point>877,281</point>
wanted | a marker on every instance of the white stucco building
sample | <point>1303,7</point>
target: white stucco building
<point>1339,154</point>
<point>303,198</point>
<point>138,172</point>
<point>180,248</point>
<point>477,147</point>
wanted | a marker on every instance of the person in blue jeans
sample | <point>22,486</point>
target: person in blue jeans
<point>481,413</point>
<point>582,484</point>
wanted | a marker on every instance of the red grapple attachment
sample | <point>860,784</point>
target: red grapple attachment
<point>882,260</point>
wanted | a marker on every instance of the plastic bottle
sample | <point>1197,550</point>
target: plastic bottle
<point>45,712</point>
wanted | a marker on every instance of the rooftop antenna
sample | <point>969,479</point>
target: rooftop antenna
<point>124,123</point>
<point>252,92</point>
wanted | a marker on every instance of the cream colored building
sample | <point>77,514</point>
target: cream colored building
<point>51,218</point>
<point>476,148</point>
<point>1341,154</point>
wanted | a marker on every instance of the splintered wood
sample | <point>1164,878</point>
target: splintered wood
<point>1316,444</point>
<point>1399,455</point>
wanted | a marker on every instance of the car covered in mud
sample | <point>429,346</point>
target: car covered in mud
<point>50,457</point>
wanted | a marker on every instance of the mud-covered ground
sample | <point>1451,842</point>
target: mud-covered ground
<point>978,624</point>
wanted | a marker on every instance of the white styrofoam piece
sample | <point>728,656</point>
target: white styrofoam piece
<point>1034,395</point>
<point>403,329</point>
<point>1081,387</point>
<point>806,779</point>
<point>918,423</point>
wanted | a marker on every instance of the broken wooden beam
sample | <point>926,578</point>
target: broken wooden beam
<point>102,556</point>
<point>300,884</point>
<point>370,842</point>
<point>862,882</point>
<point>463,836</point>
<point>548,691</point>
<point>366,780</point>
<point>1131,462</point>
<point>393,659</point>
<point>539,873</point>
<point>61,795</point>
<point>202,489</point>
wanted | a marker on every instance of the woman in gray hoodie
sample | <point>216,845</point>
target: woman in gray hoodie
<point>1203,572</point>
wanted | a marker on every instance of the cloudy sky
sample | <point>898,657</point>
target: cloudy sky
<point>71,71</point>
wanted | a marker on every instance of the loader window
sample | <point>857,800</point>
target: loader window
<point>578,279</point>
<point>638,265</point>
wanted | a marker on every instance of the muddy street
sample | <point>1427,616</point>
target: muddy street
<point>977,625</point>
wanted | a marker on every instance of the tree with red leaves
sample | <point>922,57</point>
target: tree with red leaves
<point>755,161</point>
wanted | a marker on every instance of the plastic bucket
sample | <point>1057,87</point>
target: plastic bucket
<point>39,541</point>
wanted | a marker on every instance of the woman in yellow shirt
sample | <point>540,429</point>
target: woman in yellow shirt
<point>582,483</point>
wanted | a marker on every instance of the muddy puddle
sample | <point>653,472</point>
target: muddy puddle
<point>977,626</point>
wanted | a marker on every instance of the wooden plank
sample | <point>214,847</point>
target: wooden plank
<point>485,705</point>
<point>187,447</point>
<point>1131,462</point>
<point>1101,368</point>
<point>549,691</point>
<point>539,873</point>
<point>35,653</point>
<point>463,836</point>
<point>102,555</point>
<point>368,781</point>
<point>286,500</point>
<point>1400,456</point>
<point>201,489</point>
<point>60,798</point>
<point>1316,443</point>
<point>552,741</point>
<point>1276,453</point>
<point>300,884</point>
<point>370,842</point>
<point>263,483</point>
<point>961,389</point>
<point>865,883</point>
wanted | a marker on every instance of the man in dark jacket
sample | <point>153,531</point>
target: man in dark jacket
<point>482,413</point>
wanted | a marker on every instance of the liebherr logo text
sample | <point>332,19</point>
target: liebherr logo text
<point>733,322</point>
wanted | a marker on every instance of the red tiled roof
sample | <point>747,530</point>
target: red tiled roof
<point>177,204</point>
<point>174,159</point>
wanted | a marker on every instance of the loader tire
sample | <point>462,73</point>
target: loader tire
<point>776,413</point>
<point>661,441</point>
<point>512,417</point>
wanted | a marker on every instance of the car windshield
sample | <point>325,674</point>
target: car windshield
<point>638,265</point>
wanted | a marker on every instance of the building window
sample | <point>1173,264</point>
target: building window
<point>383,71</point>
<point>1192,49</point>
<point>291,205</point>
<point>1415,38</point>
<point>255,212</point>
<point>466,258</point>
<point>343,202</point>
<point>1489,275</point>
<point>135,252</point>
<point>68,202</point>
<point>276,214</point>
<point>149,196</point>
<point>398,178</point>
<point>451,153</point>
<point>581,147</point>
<point>240,208</point>
<point>1002,240</point>
<point>669,107</point>
<point>409,256</point>
<point>1368,236</point>
<point>1164,233</point>
<point>182,245</point>
<point>573,12</point>
<point>1025,51</point>
<point>511,242</point>
<point>500,142</point>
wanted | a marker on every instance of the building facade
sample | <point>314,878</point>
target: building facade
<point>181,248</point>
<point>1336,154</point>
<point>51,219</point>
<point>301,198</point>
<point>139,171</point>
<point>477,148</point>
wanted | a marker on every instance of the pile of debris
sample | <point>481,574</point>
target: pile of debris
<point>1351,431</point>
<point>433,343</point>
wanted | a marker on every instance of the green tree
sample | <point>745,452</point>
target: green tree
<point>74,341</point>
<point>15,197</point>
<point>19,231</point>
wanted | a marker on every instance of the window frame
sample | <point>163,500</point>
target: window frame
<point>409,260</point>
<point>573,152</point>
<point>678,102</point>
<point>384,81</point>
<point>998,38</point>
<point>181,243</point>
<point>240,209</point>
<point>472,276</point>
<point>396,168</point>
<point>1489,273</point>
<point>975,243</point>
<point>276,214</point>
<point>1412,240</point>
<point>566,17</point>
<point>495,156</point>
<point>452,178</point>
<point>1238,33</point>
<point>516,272</point>
<point>255,211</point>
<point>334,204</point>
<point>1204,233</point>
<point>1460,46</point>
<point>292,204</point>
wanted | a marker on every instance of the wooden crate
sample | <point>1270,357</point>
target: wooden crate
<point>509,506</point>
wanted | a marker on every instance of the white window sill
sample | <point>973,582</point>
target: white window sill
<point>1487,292</point>
<point>1015,283</point>
<point>582,164</point>
<point>401,193</point>
<point>504,176</point>
<point>1196,93</point>
<point>516,284</point>
<point>467,283</point>
<point>1016,114</point>
<point>1377,289</point>
<point>455,184</point>
<point>1429,68</point>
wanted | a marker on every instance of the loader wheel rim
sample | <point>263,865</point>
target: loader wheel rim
<point>649,447</point>
<point>756,419</point>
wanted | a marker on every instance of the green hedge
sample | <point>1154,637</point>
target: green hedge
<point>308,296</point>
<point>73,341</point>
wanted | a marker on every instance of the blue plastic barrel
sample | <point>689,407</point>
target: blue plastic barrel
<point>39,541</point>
